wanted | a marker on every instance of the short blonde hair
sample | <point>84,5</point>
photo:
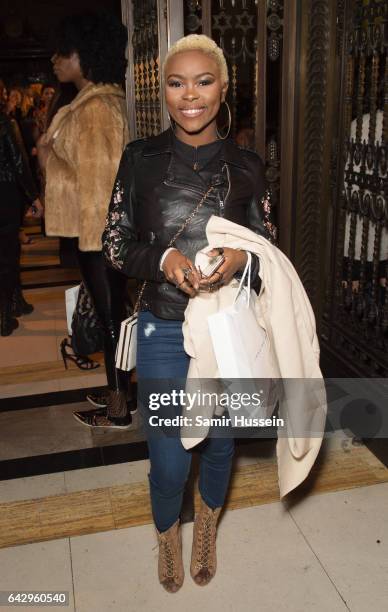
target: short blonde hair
<point>199,42</point>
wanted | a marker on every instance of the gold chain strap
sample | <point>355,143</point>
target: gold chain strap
<point>170,244</point>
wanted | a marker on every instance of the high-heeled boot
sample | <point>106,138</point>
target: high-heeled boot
<point>203,555</point>
<point>170,564</point>
<point>8,323</point>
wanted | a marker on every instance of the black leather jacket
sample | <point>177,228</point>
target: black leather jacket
<point>13,163</point>
<point>153,195</point>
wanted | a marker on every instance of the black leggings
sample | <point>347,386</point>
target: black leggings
<point>9,261</point>
<point>11,208</point>
<point>107,289</point>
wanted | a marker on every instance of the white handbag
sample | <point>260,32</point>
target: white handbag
<point>240,344</point>
<point>126,346</point>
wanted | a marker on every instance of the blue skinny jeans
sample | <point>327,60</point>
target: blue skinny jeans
<point>160,355</point>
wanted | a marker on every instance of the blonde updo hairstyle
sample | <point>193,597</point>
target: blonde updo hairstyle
<point>199,42</point>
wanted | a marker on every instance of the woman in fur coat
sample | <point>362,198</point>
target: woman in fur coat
<point>80,152</point>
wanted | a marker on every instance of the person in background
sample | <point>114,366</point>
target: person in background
<point>16,188</point>
<point>64,94</point>
<point>81,151</point>
<point>55,99</point>
<point>19,306</point>
<point>29,102</point>
<point>48,92</point>
<point>14,104</point>
<point>40,114</point>
<point>17,109</point>
<point>3,95</point>
<point>28,126</point>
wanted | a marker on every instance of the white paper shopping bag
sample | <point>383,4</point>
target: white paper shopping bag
<point>71,297</point>
<point>240,344</point>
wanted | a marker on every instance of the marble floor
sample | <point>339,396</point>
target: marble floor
<point>42,252</point>
<point>327,553</point>
<point>53,429</point>
<point>30,359</point>
<point>37,393</point>
<point>39,334</point>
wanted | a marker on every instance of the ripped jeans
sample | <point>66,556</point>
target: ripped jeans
<point>160,355</point>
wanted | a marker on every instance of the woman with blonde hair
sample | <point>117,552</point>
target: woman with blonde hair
<point>167,188</point>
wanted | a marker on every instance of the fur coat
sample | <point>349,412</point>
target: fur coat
<point>85,141</point>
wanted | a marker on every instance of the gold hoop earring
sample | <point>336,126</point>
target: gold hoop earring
<point>229,122</point>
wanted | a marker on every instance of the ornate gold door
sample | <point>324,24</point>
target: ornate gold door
<point>355,321</point>
<point>250,32</point>
<point>308,91</point>
<point>153,25</point>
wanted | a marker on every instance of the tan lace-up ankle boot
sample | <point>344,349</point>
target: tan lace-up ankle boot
<point>203,555</point>
<point>170,566</point>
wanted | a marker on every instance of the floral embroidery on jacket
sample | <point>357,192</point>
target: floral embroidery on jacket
<point>112,239</point>
<point>270,227</point>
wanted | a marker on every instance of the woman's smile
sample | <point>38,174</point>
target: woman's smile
<point>193,112</point>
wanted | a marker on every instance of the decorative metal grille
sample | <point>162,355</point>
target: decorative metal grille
<point>234,28</point>
<point>146,68</point>
<point>274,46</point>
<point>193,17</point>
<point>254,81</point>
<point>360,297</point>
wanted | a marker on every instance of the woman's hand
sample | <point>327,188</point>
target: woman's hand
<point>36,209</point>
<point>178,269</point>
<point>235,261</point>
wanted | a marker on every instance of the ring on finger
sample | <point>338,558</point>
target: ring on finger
<point>220,274</point>
<point>187,272</point>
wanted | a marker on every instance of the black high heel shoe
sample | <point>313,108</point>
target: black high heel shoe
<point>81,361</point>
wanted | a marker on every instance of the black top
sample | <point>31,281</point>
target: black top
<point>200,166</point>
<point>198,158</point>
<point>156,190</point>
<point>205,162</point>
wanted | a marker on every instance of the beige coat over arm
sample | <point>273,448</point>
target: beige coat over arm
<point>86,139</point>
<point>284,311</point>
